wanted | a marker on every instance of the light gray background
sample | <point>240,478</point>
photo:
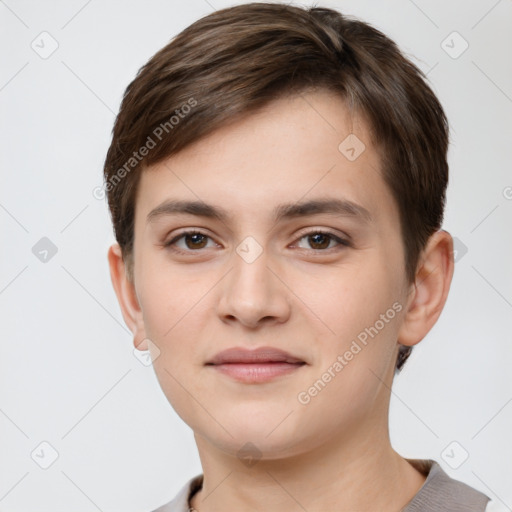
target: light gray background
<point>68,375</point>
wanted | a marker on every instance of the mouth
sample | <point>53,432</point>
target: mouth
<point>253,366</point>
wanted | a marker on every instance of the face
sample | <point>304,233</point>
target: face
<point>325,284</point>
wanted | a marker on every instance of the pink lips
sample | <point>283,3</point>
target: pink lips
<point>259,365</point>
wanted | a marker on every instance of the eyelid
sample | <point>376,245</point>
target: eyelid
<point>340,237</point>
<point>342,240</point>
<point>187,231</point>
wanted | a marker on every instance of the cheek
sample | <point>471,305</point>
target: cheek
<point>178,312</point>
<point>346,300</point>
<point>168,298</point>
<point>359,311</point>
<point>175,319</point>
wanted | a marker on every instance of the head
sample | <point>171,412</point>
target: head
<point>248,109</point>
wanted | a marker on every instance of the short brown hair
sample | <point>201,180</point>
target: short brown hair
<point>237,60</point>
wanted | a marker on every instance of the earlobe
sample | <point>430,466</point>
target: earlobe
<point>126,296</point>
<point>430,289</point>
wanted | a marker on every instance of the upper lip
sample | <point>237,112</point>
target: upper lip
<point>259,355</point>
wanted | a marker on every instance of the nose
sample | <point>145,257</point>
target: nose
<point>254,293</point>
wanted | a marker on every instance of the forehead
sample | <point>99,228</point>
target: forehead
<point>295,149</point>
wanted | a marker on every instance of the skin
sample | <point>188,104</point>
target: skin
<point>310,297</point>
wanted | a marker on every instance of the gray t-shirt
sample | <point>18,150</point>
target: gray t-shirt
<point>439,493</point>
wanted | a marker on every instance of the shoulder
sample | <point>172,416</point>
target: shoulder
<point>180,503</point>
<point>440,492</point>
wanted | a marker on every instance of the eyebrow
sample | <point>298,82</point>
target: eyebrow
<point>341,207</point>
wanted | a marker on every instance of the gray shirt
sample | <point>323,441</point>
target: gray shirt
<point>439,493</point>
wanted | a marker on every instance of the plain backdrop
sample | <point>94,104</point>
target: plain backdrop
<point>68,375</point>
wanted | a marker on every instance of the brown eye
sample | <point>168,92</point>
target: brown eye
<point>321,240</point>
<point>193,240</point>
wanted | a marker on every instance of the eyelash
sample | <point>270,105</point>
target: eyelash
<point>334,237</point>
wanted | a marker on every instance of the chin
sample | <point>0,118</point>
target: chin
<point>278,441</point>
<point>249,449</point>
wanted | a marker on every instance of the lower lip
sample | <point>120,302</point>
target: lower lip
<point>256,372</point>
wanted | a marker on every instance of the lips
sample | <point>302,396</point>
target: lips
<point>260,356</point>
<point>257,366</point>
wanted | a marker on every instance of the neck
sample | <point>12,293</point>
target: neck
<point>363,473</point>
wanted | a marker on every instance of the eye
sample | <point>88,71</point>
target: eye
<point>320,240</point>
<point>194,240</point>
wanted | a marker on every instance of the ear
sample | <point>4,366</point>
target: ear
<point>430,289</point>
<point>127,297</point>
